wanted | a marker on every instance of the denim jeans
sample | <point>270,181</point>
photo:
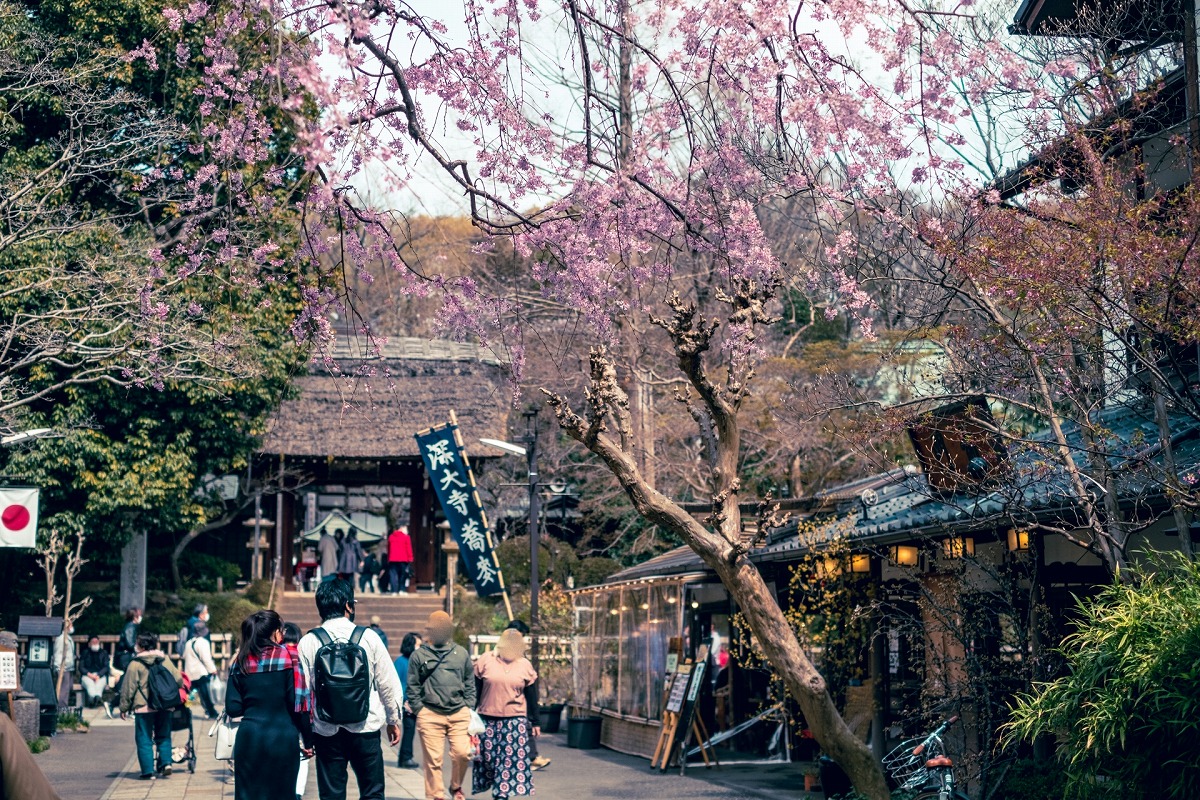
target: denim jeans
<point>150,729</point>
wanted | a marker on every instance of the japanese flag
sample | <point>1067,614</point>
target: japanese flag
<point>18,517</point>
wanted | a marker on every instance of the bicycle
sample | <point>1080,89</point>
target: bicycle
<point>921,766</point>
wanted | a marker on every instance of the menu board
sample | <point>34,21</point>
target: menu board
<point>10,678</point>
<point>679,687</point>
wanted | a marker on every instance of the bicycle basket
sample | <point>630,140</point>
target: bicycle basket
<point>905,767</point>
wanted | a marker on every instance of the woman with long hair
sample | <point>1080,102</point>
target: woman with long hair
<point>269,691</point>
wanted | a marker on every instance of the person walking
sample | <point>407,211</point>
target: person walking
<point>408,644</point>
<point>291,641</point>
<point>126,650</point>
<point>269,691</point>
<point>441,692</point>
<point>537,761</point>
<point>64,665</point>
<point>94,670</point>
<point>143,695</point>
<point>199,667</point>
<point>376,625</point>
<point>350,560</point>
<point>370,568</point>
<point>327,549</point>
<point>346,663</point>
<point>400,558</point>
<point>199,614</point>
<point>508,706</point>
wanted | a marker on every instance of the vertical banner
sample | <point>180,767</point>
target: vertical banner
<point>450,473</point>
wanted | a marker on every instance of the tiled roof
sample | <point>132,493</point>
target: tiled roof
<point>897,506</point>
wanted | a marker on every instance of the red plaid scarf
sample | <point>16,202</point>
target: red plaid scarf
<point>276,658</point>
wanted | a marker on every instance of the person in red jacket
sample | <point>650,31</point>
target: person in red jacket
<point>400,558</point>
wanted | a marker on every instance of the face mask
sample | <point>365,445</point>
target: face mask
<point>351,617</point>
<point>95,648</point>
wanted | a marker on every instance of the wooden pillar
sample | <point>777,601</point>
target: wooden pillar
<point>426,548</point>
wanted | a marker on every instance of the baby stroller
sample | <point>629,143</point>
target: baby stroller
<point>181,720</point>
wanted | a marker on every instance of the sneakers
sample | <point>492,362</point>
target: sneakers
<point>541,762</point>
<point>164,771</point>
<point>149,776</point>
<point>108,712</point>
<point>410,764</point>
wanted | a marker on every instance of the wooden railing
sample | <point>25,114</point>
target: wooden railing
<point>553,648</point>
<point>222,646</point>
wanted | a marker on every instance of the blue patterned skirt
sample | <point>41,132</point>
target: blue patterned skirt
<point>502,764</point>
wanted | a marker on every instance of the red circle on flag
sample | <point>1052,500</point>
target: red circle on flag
<point>15,517</point>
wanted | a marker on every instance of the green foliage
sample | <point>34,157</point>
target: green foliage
<point>202,570</point>
<point>476,615</point>
<point>1031,779</point>
<point>1129,708</point>
<point>226,612</point>
<point>594,570</point>
<point>39,745</point>
<point>69,720</point>
<point>556,560</point>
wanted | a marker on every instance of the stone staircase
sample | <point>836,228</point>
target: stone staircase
<point>398,614</point>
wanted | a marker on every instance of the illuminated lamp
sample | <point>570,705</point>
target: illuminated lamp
<point>905,555</point>
<point>860,563</point>
<point>958,546</point>
<point>1018,541</point>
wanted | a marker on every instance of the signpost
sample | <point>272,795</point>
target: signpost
<point>450,474</point>
<point>10,677</point>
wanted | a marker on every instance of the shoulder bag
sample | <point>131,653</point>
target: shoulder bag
<point>225,729</point>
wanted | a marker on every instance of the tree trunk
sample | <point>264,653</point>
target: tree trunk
<point>192,535</point>
<point>742,580</point>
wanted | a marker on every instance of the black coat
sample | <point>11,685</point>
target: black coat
<point>90,662</point>
<point>266,753</point>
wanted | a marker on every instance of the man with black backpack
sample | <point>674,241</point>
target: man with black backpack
<point>151,692</point>
<point>355,693</point>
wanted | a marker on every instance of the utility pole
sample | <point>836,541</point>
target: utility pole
<point>531,442</point>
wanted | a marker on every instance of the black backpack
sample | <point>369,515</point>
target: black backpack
<point>341,679</point>
<point>162,691</point>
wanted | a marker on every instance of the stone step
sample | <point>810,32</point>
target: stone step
<point>398,614</point>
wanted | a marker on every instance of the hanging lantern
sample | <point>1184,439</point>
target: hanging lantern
<point>1018,541</point>
<point>905,555</point>
<point>958,546</point>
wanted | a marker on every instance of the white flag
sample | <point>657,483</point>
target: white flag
<point>18,517</point>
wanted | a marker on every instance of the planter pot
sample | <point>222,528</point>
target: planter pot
<point>583,732</point>
<point>551,717</point>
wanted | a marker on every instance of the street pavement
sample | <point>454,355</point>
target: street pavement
<point>100,765</point>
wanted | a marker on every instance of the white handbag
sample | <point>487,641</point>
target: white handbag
<point>225,729</point>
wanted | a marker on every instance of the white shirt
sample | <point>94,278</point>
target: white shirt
<point>387,697</point>
<point>197,658</point>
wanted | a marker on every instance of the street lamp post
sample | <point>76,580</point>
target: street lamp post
<point>530,452</point>
<point>531,442</point>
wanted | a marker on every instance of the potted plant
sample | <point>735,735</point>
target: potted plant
<point>812,778</point>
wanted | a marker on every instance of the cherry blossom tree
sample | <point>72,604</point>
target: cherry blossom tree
<point>616,144</point>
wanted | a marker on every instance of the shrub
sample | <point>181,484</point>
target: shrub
<point>1127,715</point>
<point>200,571</point>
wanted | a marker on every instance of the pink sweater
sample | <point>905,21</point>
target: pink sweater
<point>503,685</point>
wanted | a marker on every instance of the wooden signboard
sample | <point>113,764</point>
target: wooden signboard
<point>10,676</point>
<point>688,723</point>
<point>679,686</point>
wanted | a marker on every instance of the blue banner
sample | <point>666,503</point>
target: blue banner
<point>450,473</point>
